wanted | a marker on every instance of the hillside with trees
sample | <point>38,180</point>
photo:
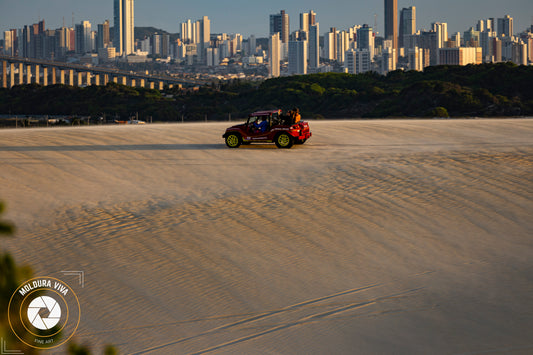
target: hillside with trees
<point>486,90</point>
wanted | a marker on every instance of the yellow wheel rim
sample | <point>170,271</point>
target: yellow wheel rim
<point>233,140</point>
<point>283,140</point>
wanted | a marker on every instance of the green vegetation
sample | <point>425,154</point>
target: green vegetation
<point>112,99</point>
<point>486,90</point>
<point>11,276</point>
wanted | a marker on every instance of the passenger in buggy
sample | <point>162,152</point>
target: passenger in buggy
<point>296,115</point>
<point>292,116</point>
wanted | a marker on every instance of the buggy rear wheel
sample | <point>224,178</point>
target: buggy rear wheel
<point>283,140</point>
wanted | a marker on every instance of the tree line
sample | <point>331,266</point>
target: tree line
<point>486,90</point>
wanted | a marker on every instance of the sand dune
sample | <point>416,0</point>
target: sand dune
<point>378,237</point>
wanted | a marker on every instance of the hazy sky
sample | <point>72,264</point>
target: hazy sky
<point>251,17</point>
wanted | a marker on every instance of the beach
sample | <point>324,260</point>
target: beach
<point>374,237</point>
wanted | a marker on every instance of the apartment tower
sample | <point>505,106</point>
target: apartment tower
<point>124,39</point>
<point>274,55</point>
<point>407,26</point>
<point>279,23</point>
<point>391,22</point>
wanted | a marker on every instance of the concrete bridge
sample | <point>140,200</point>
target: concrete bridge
<point>18,71</point>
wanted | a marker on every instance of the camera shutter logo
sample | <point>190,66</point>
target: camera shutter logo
<point>34,312</point>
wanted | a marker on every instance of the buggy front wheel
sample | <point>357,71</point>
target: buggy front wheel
<point>233,140</point>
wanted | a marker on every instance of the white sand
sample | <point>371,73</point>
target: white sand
<point>379,237</point>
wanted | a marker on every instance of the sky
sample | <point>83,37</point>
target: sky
<point>249,17</point>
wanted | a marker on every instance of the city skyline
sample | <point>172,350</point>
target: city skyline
<point>247,19</point>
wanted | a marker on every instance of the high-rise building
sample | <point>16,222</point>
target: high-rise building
<point>213,58</point>
<point>365,39</point>
<point>442,33</point>
<point>103,35</point>
<point>460,56</point>
<point>307,19</point>
<point>304,21</point>
<point>343,43</point>
<point>357,61</point>
<point>298,57</point>
<point>274,55</point>
<point>312,18</point>
<point>156,44</point>
<point>83,37</point>
<point>186,31</point>
<point>455,40</point>
<point>472,38</point>
<point>415,56</point>
<point>279,23</point>
<point>497,50</point>
<point>486,42</point>
<point>10,42</point>
<point>330,43</point>
<point>124,38</point>
<point>391,22</point>
<point>61,35</point>
<point>505,26</point>
<point>407,25</point>
<point>252,45</point>
<point>204,36</point>
<point>388,60</point>
<point>41,27</point>
<point>480,26</point>
<point>26,42</point>
<point>314,46</point>
<point>428,40</point>
<point>490,25</point>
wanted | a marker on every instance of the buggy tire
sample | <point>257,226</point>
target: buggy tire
<point>283,140</point>
<point>233,140</point>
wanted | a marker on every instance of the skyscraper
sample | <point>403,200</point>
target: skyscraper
<point>365,39</point>
<point>505,26</point>
<point>358,61</point>
<point>298,57</point>
<point>314,46</point>
<point>274,55</point>
<point>186,31</point>
<point>407,25</point>
<point>307,19</point>
<point>103,35</point>
<point>83,37</point>
<point>124,39</point>
<point>441,28</point>
<point>312,18</point>
<point>330,43</point>
<point>26,42</point>
<point>304,21</point>
<point>279,23</point>
<point>204,35</point>
<point>9,43</point>
<point>252,45</point>
<point>343,43</point>
<point>391,22</point>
